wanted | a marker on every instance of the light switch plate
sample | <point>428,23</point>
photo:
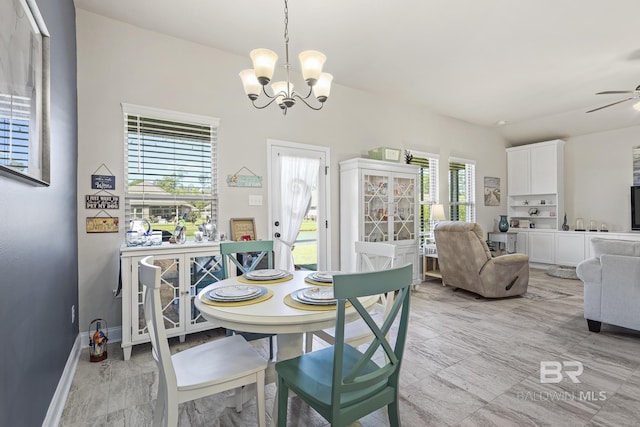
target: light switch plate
<point>255,200</point>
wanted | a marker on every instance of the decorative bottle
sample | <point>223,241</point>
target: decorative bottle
<point>503,225</point>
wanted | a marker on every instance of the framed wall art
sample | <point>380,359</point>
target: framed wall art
<point>24,91</point>
<point>243,229</point>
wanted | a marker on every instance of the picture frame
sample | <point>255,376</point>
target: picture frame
<point>491,191</point>
<point>241,227</point>
<point>25,87</point>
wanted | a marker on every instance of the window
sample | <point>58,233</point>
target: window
<point>171,167</point>
<point>24,94</point>
<point>427,190</point>
<point>462,190</point>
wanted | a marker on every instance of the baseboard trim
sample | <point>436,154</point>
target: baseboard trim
<point>56,406</point>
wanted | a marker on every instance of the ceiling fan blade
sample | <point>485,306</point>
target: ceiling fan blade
<point>609,105</point>
<point>615,92</point>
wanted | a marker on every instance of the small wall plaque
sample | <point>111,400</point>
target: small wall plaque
<point>103,182</point>
<point>95,201</point>
<point>102,224</point>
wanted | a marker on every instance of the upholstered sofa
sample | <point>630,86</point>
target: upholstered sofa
<point>611,284</point>
<point>465,262</point>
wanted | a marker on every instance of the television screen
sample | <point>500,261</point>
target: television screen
<point>635,207</point>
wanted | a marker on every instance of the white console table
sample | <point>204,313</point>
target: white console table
<point>185,269</point>
<point>507,238</point>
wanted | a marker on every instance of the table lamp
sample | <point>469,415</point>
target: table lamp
<point>437,213</point>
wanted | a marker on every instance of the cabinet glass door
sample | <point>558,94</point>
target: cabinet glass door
<point>404,215</point>
<point>169,295</point>
<point>204,270</point>
<point>376,204</point>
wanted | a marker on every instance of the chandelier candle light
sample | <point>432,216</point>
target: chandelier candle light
<point>264,61</point>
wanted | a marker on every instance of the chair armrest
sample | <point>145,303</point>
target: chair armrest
<point>506,273</point>
<point>590,270</point>
<point>621,290</point>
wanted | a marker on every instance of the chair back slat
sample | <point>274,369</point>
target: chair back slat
<point>373,256</point>
<point>150,277</point>
<point>230,251</point>
<point>349,287</point>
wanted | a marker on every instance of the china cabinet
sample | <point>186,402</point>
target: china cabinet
<point>185,269</point>
<point>379,203</point>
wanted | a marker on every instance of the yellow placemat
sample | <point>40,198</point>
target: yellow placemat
<point>264,297</point>
<point>313,282</point>
<point>264,282</point>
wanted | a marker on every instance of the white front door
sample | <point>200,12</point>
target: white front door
<point>308,243</point>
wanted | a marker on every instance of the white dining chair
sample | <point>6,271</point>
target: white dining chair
<point>371,256</point>
<point>223,364</point>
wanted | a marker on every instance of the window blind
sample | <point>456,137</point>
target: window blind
<point>15,112</point>
<point>428,188</point>
<point>462,193</point>
<point>170,167</point>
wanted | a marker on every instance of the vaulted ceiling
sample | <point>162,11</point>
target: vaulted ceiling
<point>535,65</point>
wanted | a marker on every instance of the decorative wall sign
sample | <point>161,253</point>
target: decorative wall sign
<point>242,227</point>
<point>96,201</point>
<point>491,191</point>
<point>102,224</point>
<point>103,182</point>
<point>237,180</point>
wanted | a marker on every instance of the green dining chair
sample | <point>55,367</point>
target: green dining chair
<point>246,256</point>
<point>360,382</point>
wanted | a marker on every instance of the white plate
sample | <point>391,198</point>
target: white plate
<point>269,274</point>
<point>211,295</point>
<point>319,294</point>
<point>299,297</point>
<point>235,291</point>
<point>326,275</point>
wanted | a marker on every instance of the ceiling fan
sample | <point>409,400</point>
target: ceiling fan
<point>635,94</point>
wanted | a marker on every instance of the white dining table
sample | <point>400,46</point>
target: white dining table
<point>273,316</point>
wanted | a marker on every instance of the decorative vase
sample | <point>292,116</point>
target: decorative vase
<point>503,225</point>
<point>565,226</point>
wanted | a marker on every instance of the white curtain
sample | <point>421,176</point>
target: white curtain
<point>298,176</point>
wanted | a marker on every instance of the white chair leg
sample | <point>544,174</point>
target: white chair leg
<point>308,342</point>
<point>239,399</point>
<point>260,400</point>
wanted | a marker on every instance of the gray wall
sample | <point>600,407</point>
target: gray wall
<point>38,249</point>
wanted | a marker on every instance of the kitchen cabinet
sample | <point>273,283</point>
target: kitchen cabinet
<point>542,247</point>
<point>185,270</point>
<point>535,184</point>
<point>570,248</point>
<point>379,203</point>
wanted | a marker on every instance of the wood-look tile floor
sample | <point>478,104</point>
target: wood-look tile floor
<point>468,362</point>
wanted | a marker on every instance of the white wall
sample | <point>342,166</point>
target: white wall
<point>121,63</point>
<point>598,174</point>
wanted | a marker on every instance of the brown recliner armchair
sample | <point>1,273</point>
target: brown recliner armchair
<point>465,262</point>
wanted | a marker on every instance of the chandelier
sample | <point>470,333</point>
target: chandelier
<point>264,61</point>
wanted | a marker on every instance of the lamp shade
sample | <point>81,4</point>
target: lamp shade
<point>637,106</point>
<point>280,90</point>
<point>264,63</point>
<point>437,213</point>
<point>311,62</point>
<point>322,88</point>
<point>250,82</point>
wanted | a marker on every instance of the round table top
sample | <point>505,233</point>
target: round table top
<point>273,315</point>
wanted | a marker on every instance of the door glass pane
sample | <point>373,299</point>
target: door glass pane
<point>205,270</point>
<point>404,208</point>
<point>375,208</point>
<point>169,294</point>
<point>305,250</point>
